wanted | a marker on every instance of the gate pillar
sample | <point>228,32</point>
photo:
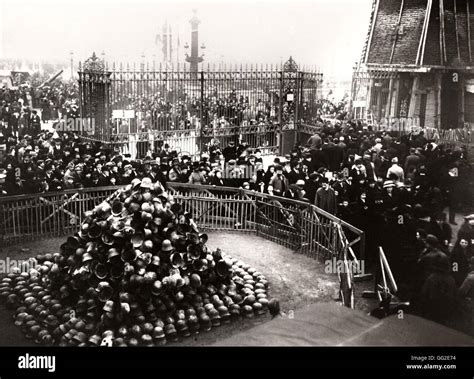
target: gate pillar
<point>94,97</point>
<point>289,95</point>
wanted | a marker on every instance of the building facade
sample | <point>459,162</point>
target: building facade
<point>417,65</point>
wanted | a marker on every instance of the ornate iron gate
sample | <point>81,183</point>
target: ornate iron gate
<point>253,104</point>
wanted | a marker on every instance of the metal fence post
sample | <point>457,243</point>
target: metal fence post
<point>280,110</point>
<point>201,111</point>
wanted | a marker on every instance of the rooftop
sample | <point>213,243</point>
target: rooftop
<point>420,33</point>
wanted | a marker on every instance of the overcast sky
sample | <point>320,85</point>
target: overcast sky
<point>325,33</point>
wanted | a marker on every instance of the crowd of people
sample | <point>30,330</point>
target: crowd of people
<point>402,191</point>
<point>19,106</point>
<point>161,112</point>
<point>213,110</point>
<point>56,161</point>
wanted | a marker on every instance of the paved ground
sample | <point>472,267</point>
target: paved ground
<point>295,280</point>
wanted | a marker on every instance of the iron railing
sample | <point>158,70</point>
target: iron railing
<point>32,217</point>
<point>294,224</point>
<point>124,101</point>
<point>291,223</point>
<point>297,225</point>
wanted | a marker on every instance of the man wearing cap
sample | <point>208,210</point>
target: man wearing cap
<point>230,151</point>
<point>314,142</point>
<point>334,154</point>
<point>295,174</point>
<point>377,146</point>
<point>216,179</point>
<point>431,256</point>
<point>35,123</point>
<point>438,294</point>
<point>197,176</point>
<point>24,124</point>
<point>279,182</point>
<point>326,197</point>
<point>395,169</point>
<point>175,173</point>
<point>297,191</point>
<point>128,174</point>
<point>342,144</point>
<point>318,159</point>
<point>412,161</point>
<point>358,170</point>
<point>71,175</point>
<point>104,177</point>
<point>369,167</point>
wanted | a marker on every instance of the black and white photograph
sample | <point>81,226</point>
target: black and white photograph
<point>197,176</point>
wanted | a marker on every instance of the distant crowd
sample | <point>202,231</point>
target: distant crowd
<point>19,107</point>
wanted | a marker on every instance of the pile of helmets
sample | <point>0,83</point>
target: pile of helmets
<point>138,272</point>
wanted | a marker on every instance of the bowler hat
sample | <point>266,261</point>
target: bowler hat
<point>105,291</point>
<point>166,246</point>
<point>112,253</point>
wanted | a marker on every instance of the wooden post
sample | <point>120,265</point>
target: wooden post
<point>414,96</point>
<point>424,33</point>
<point>388,112</point>
<point>280,105</point>
<point>379,104</point>
<point>436,105</point>
<point>438,85</point>
<point>396,111</point>
<point>469,30</point>
<point>369,97</point>
<point>402,5</point>
<point>457,29</point>
<point>461,95</point>
<point>442,33</point>
<point>296,101</point>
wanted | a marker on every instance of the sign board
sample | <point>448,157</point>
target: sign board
<point>123,113</point>
<point>129,113</point>
<point>359,104</point>
<point>117,113</point>
<point>290,97</point>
